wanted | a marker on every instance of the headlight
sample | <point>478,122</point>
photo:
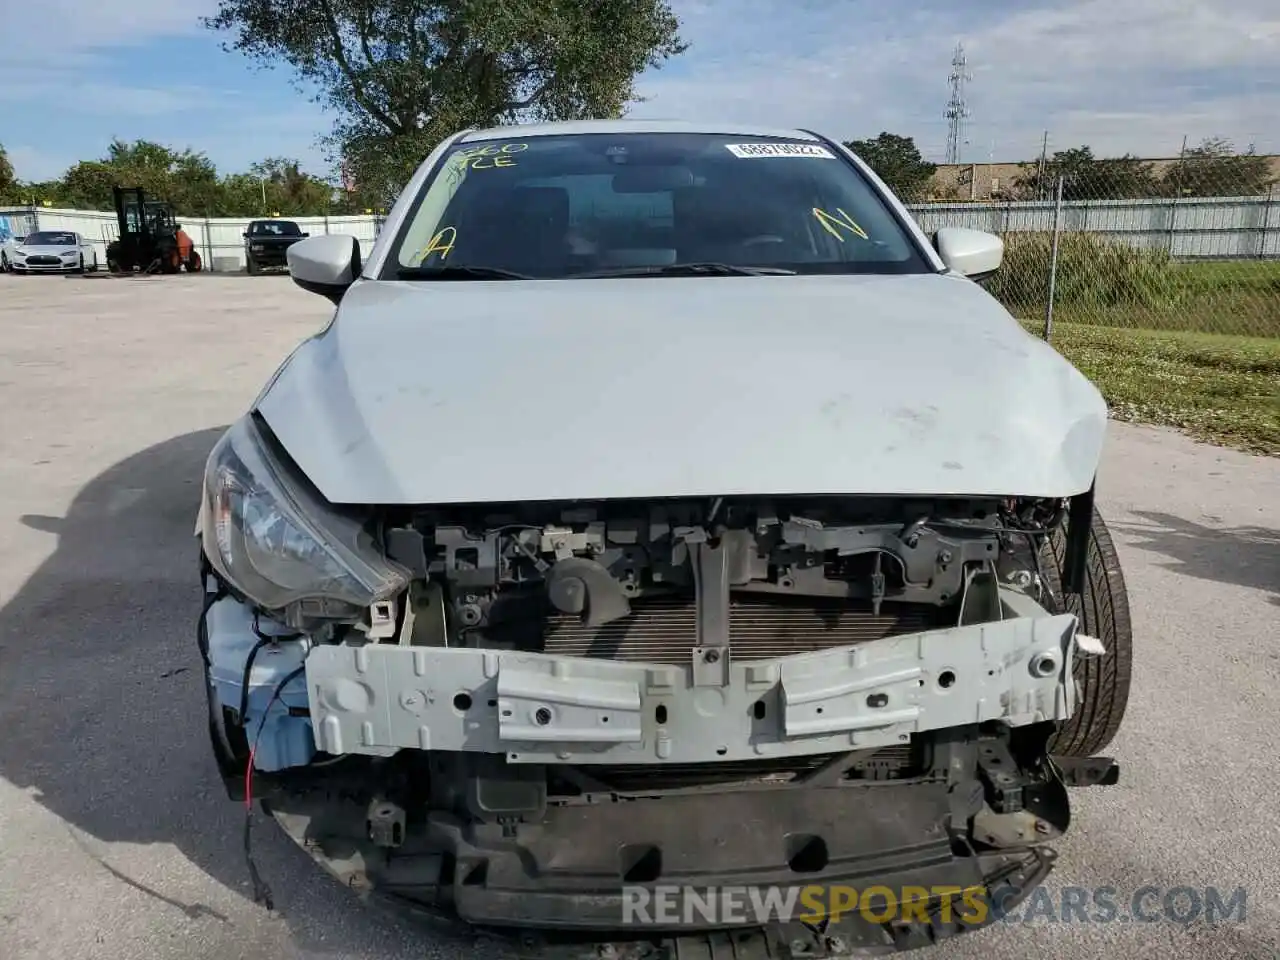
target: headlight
<point>69,253</point>
<point>257,247</point>
<point>277,541</point>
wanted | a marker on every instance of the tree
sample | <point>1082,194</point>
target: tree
<point>1086,177</point>
<point>898,162</point>
<point>400,75</point>
<point>287,188</point>
<point>185,178</point>
<point>1214,169</point>
<point>7,178</point>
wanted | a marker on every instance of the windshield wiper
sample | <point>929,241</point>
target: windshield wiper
<point>459,272</point>
<point>686,270</point>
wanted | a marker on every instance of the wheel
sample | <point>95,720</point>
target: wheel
<point>249,266</point>
<point>94,267</point>
<point>80,269</point>
<point>4,262</point>
<point>1102,683</point>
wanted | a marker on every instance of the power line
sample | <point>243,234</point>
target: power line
<point>957,111</point>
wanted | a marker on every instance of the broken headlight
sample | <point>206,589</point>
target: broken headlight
<point>276,540</point>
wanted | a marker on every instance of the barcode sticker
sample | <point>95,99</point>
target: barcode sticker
<point>746,151</point>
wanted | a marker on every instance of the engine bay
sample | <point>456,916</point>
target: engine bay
<point>648,580</point>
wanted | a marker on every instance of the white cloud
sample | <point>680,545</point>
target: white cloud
<point>1122,75</point>
<point>63,32</point>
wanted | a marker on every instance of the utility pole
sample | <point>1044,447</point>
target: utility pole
<point>957,111</point>
<point>1044,159</point>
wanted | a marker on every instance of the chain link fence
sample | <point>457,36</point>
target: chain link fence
<point>1194,248</point>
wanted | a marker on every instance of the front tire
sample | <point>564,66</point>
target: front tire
<point>1102,683</point>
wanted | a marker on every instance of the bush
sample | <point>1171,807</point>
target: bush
<point>1092,273</point>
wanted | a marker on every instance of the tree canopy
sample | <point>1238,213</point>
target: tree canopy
<point>7,177</point>
<point>898,162</point>
<point>188,180</point>
<point>400,75</point>
<point>1213,169</point>
<point>1086,177</point>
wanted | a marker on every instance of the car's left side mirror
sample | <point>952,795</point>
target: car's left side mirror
<point>971,253</point>
<point>325,265</point>
<point>305,235</point>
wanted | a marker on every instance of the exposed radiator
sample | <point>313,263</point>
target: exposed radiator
<point>662,630</point>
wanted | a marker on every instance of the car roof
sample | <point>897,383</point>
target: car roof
<point>634,126</point>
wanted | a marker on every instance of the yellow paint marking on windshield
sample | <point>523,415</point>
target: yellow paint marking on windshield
<point>438,244</point>
<point>491,156</point>
<point>833,224</point>
<point>490,163</point>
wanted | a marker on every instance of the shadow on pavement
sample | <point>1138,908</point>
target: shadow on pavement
<point>102,703</point>
<point>1244,556</point>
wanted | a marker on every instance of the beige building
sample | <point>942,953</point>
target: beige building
<point>988,181</point>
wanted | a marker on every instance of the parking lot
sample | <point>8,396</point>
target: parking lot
<point>116,838</point>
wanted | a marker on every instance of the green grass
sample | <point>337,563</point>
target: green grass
<point>1108,284</point>
<point>1224,389</point>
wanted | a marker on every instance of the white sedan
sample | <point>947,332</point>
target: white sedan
<point>54,251</point>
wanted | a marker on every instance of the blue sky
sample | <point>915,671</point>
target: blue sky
<point>1122,75</point>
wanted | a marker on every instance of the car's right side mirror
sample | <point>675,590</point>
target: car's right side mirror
<point>326,265</point>
<point>971,253</point>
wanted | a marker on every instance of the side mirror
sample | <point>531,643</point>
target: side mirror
<point>245,234</point>
<point>972,253</point>
<point>305,235</point>
<point>325,265</point>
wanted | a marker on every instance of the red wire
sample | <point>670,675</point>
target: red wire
<point>248,779</point>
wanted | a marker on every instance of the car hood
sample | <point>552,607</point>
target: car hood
<point>45,249</point>
<point>441,391</point>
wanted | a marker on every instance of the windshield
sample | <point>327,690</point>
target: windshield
<point>275,228</point>
<point>50,238</point>
<point>592,204</point>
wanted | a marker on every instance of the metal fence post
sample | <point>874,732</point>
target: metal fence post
<point>1266,221</point>
<point>1053,262</point>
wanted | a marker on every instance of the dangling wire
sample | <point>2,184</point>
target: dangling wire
<point>261,892</point>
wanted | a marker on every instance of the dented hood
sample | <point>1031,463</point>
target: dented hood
<point>437,392</point>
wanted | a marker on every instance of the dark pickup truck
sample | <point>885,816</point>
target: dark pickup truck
<point>265,242</point>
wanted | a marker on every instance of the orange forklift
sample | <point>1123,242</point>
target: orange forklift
<point>149,238</point>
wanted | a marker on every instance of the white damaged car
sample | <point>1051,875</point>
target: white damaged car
<point>662,507</point>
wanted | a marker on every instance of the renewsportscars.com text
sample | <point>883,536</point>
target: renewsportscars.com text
<point>669,905</point>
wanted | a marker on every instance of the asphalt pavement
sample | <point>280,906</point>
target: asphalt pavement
<point>116,840</point>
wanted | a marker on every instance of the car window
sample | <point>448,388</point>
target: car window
<point>50,238</point>
<point>559,206</point>
<point>275,228</point>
